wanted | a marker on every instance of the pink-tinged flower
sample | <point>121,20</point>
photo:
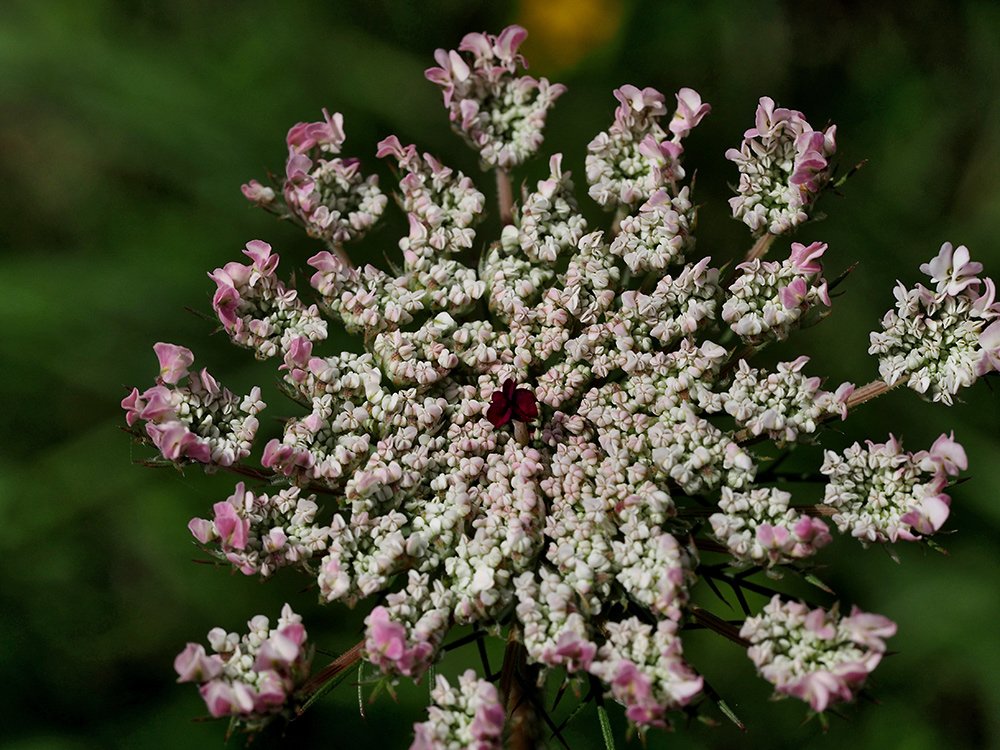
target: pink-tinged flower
<point>814,655</point>
<point>573,651</point>
<point>176,441</point>
<point>952,270</point>
<point>648,101</point>
<point>386,640</point>
<point>227,698</point>
<point>174,362</point>
<point>282,648</point>
<point>194,665</point>
<point>512,403</point>
<point>989,342</point>
<point>949,454</point>
<point>231,527</point>
<point>794,294</point>
<point>270,692</point>
<point>867,628</point>
<point>202,529</point>
<point>805,258</point>
<point>256,193</point>
<point>498,112</point>
<point>133,404</point>
<point>690,111</point>
<point>633,688</point>
<point>327,135</point>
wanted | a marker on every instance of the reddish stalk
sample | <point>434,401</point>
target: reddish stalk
<point>505,197</point>
<point>518,683</point>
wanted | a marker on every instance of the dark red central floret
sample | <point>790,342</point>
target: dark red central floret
<point>512,403</point>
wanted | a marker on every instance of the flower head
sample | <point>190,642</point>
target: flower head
<point>783,164</point>
<point>814,655</point>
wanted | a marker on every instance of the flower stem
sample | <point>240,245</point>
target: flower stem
<point>505,197</point>
<point>518,684</point>
<point>616,223</point>
<point>718,625</point>
<point>870,391</point>
<point>319,681</point>
<point>758,250</point>
<point>761,246</point>
<point>341,253</point>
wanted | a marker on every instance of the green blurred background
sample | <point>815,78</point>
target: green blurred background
<point>126,129</point>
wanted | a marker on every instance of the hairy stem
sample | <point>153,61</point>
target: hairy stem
<point>761,246</point>
<point>319,680</point>
<point>870,391</point>
<point>518,685</point>
<point>505,197</point>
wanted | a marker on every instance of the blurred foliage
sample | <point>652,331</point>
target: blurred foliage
<point>126,129</point>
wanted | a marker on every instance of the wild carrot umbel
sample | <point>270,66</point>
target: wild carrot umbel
<point>555,443</point>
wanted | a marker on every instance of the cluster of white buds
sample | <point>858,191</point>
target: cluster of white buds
<point>634,158</point>
<point>785,405</point>
<point>768,298</point>
<point>201,421</point>
<point>468,716</point>
<point>784,164</point>
<point>548,222</point>
<point>882,493</point>
<point>551,441</point>
<point>815,655</point>
<point>659,234</point>
<point>941,340</point>
<point>760,528</point>
<point>260,533</point>
<point>556,633</point>
<point>250,677</point>
<point>499,113</point>
<point>257,310</point>
<point>324,192</point>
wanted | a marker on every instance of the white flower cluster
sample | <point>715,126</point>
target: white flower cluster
<point>468,716</point>
<point>659,234</point>
<point>941,340</point>
<point>257,310</point>
<point>813,654</point>
<point>199,421</point>
<point>882,493</point>
<point>786,406</point>
<point>633,159</point>
<point>499,113</point>
<point>643,665</point>
<point>534,441</point>
<point>769,298</point>
<point>324,192</point>
<point>260,533</point>
<point>253,676</point>
<point>783,166</point>
<point>760,528</point>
